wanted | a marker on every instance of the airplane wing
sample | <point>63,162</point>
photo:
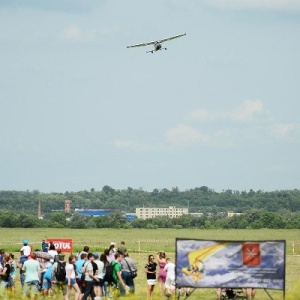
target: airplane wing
<point>142,44</point>
<point>171,38</point>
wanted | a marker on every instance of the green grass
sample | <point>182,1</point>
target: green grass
<point>150,241</point>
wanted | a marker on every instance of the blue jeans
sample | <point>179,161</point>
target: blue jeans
<point>22,278</point>
<point>126,276</point>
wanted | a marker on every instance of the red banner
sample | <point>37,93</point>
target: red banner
<point>64,244</point>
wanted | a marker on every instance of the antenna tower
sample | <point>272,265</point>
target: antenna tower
<point>40,210</point>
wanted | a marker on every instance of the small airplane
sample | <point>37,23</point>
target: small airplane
<point>157,44</point>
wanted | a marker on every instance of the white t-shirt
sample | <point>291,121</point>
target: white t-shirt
<point>170,268</point>
<point>26,250</point>
<point>68,268</point>
<point>100,265</point>
<point>52,253</point>
<point>88,266</point>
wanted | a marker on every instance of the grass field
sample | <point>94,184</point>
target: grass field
<point>142,242</point>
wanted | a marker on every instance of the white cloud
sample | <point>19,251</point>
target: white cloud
<point>281,130</point>
<point>183,134</point>
<point>249,115</point>
<point>278,5</point>
<point>247,111</point>
<point>75,33</point>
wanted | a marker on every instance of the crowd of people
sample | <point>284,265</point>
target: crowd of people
<point>165,275</point>
<point>90,275</point>
<point>46,272</point>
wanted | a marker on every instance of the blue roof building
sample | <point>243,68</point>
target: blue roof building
<point>94,212</point>
<point>102,212</point>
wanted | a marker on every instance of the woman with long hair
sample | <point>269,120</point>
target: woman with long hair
<point>150,269</point>
<point>162,274</point>
<point>71,278</point>
<point>111,252</point>
<point>13,273</point>
<point>5,274</point>
<point>103,258</point>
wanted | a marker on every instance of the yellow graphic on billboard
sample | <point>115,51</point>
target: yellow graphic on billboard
<point>196,260</point>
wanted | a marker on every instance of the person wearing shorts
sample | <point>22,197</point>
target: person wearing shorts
<point>98,285</point>
<point>150,269</point>
<point>71,278</point>
<point>31,268</point>
<point>170,279</point>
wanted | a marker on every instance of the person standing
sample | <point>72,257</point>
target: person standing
<point>13,273</point>
<point>5,273</point>
<point>162,274</point>
<point>85,250</point>
<point>45,246</point>
<point>58,285</point>
<point>52,252</point>
<point>26,248</point>
<point>98,285</point>
<point>21,261</point>
<point>79,264</point>
<point>122,248</point>
<point>103,258</point>
<point>71,278</point>
<point>88,270</point>
<point>31,267</point>
<point>117,273</point>
<point>170,279</point>
<point>47,278</point>
<point>127,266</point>
<point>150,269</point>
<point>111,252</point>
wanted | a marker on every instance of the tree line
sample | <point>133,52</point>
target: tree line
<point>258,209</point>
<point>200,199</point>
<point>253,219</point>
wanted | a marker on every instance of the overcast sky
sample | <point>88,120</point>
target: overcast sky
<point>219,108</point>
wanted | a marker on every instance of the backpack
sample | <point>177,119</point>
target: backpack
<point>48,273</point>
<point>60,273</point>
<point>109,271</point>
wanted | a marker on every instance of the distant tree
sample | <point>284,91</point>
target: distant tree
<point>59,218</point>
<point>108,190</point>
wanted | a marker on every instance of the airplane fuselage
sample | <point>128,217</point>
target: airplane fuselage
<point>157,46</point>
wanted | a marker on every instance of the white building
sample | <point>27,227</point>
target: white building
<point>151,212</point>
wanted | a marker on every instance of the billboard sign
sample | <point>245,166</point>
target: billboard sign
<point>64,244</point>
<point>230,264</point>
